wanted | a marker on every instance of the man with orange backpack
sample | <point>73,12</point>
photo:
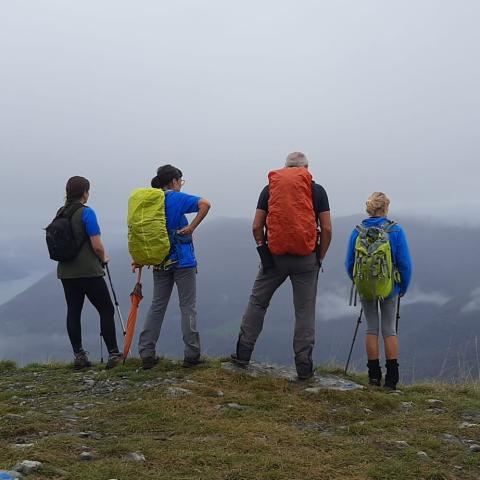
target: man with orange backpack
<point>292,229</point>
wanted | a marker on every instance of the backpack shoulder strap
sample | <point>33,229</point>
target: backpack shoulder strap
<point>317,213</point>
<point>362,231</point>
<point>68,210</point>
<point>387,226</point>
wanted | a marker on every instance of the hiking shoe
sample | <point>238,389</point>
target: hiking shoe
<point>389,386</point>
<point>81,360</point>
<point>375,382</point>
<point>149,362</point>
<point>305,376</point>
<point>238,361</point>
<point>113,360</point>
<point>192,362</point>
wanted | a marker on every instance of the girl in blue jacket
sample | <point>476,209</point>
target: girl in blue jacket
<point>377,208</point>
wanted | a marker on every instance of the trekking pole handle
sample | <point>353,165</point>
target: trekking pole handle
<point>139,274</point>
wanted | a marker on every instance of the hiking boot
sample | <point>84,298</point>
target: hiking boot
<point>81,360</point>
<point>392,375</point>
<point>149,362</point>
<point>192,362</point>
<point>238,361</point>
<point>113,360</point>
<point>374,373</point>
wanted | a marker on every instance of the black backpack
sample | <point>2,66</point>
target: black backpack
<point>61,242</point>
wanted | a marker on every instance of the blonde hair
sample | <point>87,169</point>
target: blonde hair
<point>377,204</point>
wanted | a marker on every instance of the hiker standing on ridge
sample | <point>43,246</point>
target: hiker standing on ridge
<point>292,229</point>
<point>82,273</point>
<point>378,262</point>
<point>180,268</point>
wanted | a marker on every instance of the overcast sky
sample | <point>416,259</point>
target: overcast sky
<point>379,95</point>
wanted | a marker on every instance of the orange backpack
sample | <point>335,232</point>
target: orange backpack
<point>291,222</point>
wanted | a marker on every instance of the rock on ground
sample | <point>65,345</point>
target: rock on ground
<point>178,392</point>
<point>87,456</point>
<point>27,467</point>
<point>135,457</point>
<point>317,383</point>
<point>232,406</point>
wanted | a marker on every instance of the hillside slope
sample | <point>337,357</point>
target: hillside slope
<point>211,423</point>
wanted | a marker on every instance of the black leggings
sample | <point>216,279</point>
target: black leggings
<point>97,292</point>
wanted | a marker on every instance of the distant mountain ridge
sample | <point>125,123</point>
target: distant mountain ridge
<point>438,329</point>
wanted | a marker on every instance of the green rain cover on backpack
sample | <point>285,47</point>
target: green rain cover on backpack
<point>148,241</point>
<point>373,271</point>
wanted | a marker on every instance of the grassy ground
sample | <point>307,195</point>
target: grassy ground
<point>285,433</point>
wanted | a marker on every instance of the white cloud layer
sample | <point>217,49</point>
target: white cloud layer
<point>416,295</point>
<point>474,304</point>
<point>332,305</point>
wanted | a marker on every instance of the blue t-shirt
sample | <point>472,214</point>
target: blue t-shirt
<point>177,204</point>
<point>90,221</point>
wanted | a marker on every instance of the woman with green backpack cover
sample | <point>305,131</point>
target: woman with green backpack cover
<point>378,262</point>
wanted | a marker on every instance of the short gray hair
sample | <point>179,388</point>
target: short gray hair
<point>296,159</point>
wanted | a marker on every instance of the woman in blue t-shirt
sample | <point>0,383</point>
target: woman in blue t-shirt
<point>377,207</point>
<point>83,275</point>
<point>180,268</point>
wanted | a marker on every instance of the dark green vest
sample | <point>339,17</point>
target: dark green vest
<point>86,264</point>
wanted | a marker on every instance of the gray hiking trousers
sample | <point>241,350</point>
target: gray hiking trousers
<point>388,309</point>
<point>303,274</point>
<point>163,280</point>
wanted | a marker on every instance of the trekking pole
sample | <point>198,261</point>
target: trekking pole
<point>359,321</point>
<point>101,347</point>
<point>115,299</point>
<point>398,314</point>
<point>351,294</point>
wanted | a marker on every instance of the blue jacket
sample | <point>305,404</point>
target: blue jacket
<point>400,253</point>
<point>177,204</point>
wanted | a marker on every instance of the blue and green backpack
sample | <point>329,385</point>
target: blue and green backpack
<point>374,272</point>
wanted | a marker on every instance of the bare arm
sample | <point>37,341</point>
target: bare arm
<point>258,227</point>
<point>98,248</point>
<point>203,208</point>
<point>325,223</point>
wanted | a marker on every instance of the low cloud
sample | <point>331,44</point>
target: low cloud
<point>416,295</point>
<point>334,305</point>
<point>474,304</point>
